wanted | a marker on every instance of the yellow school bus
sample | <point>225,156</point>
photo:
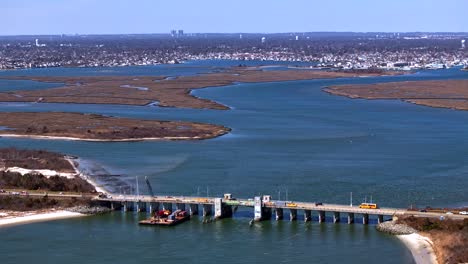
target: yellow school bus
<point>368,206</point>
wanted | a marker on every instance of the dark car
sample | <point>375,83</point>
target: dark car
<point>318,203</point>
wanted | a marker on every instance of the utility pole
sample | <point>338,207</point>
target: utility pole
<point>137,189</point>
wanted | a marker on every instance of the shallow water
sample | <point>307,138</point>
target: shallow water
<point>288,138</point>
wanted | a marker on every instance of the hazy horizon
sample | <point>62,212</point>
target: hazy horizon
<point>87,17</point>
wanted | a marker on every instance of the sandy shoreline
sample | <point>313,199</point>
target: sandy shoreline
<point>421,248</point>
<point>9,218</point>
<point>100,140</point>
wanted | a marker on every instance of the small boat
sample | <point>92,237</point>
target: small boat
<point>166,218</point>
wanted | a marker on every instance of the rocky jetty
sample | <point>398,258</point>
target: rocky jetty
<point>395,229</point>
<point>89,210</point>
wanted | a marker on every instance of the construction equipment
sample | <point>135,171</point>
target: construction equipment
<point>150,189</point>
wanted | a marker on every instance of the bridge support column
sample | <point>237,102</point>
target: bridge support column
<point>128,206</point>
<point>180,206</point>
<point>365,219</point>
<point>307,215</point>
<point>279,214</point>
<point>207,209</point>
<point>336,217</point>
<point>115,205</point>
<point>260,212</point>
<point>292,214</point>
<point>321,216</point>
<point>167,206</point>
<point>193,209</point>
<point>350,218</point>
<point>153,207</point>
<point>140,207</point>
<point>222,210</point>
<point>380,219</point>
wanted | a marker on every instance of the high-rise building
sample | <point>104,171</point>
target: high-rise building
<point>463,44</point>
<point>180,32</point>
<point>173,33</point>
<point>263,39</point>
<point>37,43</point>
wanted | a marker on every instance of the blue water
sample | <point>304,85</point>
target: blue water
<point>287,137</point>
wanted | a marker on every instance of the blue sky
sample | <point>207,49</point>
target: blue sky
<point>19,17</point>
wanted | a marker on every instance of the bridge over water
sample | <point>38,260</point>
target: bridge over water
<point>264,208</point>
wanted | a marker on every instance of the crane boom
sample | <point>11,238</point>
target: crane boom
<point>150,189</point>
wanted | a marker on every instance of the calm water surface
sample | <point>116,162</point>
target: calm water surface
<point>289,139</point>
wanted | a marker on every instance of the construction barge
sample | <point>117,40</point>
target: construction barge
<point>166,218</point>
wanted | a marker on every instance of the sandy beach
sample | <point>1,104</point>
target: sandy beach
<point>100,140</point>
<point>420,247</point>
<point>10,218</point>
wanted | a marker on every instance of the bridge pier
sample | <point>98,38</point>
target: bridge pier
<point>336,217</point>
<point>167,206</point>
<point>153,207</point>
<point>380,219</point>
<point>260,212</point>
<point>365,219</point>
<point>222,210</point>
<point>292,214</point>
<point>321,216</point>
<point>207,209</point>
<point>307,215</point>
<point>128,206</point>
<point>279,214</point>
<point>193,209</point>
<point>180,206</point>
<point>350,218</point>
<point>140,206</point>
<point>115,206</point>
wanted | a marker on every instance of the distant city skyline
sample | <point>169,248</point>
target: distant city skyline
<point>33,17</point>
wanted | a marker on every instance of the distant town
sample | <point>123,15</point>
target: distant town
<point>388,51</point>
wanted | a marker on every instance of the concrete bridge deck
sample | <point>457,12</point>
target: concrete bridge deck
<point>223,207</point>
<point>275,205</point>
